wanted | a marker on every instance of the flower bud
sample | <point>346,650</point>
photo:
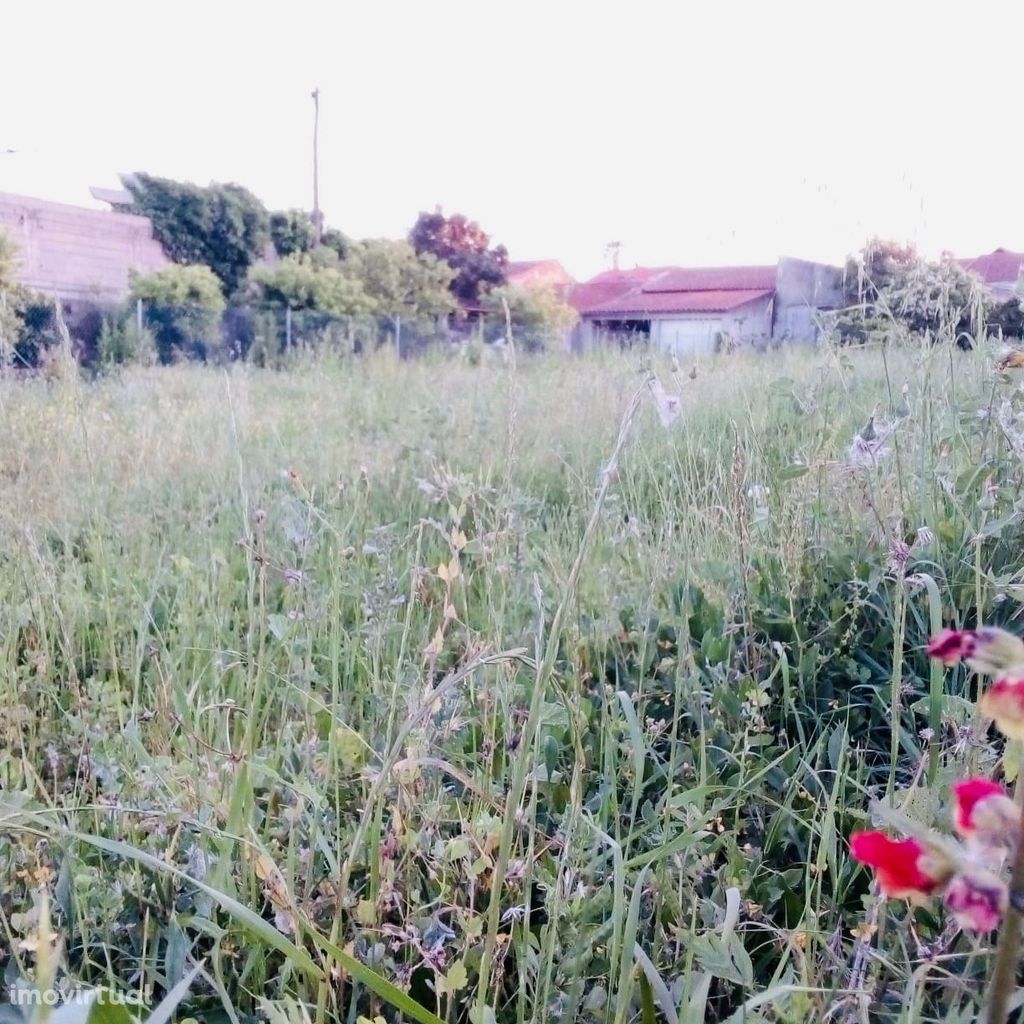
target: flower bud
<point>1004,703</point>
<point>983,811</point>
<point>977,900</point>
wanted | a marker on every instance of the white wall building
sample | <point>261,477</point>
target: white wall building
<point>694,311</point>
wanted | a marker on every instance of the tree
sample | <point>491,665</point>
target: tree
<point>889,284</point>
<point>340,244</point>
<point>400,282</point>
<point>316,282</point>
<point>224,227</point>
<point>879,264</point>
<point>291,231</point>
<point>183,306</point>
<point>464,246</point>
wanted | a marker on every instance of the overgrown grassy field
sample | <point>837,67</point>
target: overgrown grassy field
<point>481,682</point>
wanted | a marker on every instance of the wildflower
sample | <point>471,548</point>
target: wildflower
<point>987,650</point>
<point>977,901</point>
<point>983,810</point>
<point>1004,702</point>
<point>668,405</point>
<point>869,445</point>
<point>924,538</point>
<point>903,867</point>
<point>899,555</point>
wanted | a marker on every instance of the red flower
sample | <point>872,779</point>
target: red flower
<point>951,645</point>
<point>984,810</point>
<point>987,650</point>
<point>1004,702</point>
<point>977,901</point>
<point>902,866</point>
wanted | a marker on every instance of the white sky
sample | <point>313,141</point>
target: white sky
<point>692,132</point>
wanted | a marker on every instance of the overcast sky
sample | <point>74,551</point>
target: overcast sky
<point>693,133</point>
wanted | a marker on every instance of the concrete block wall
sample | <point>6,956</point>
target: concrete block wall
<point>76,253</point>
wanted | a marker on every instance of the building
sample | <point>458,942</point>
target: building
<point>694,310</point>
<point>76,254</point>
<point>999,270</point>
<point>530,274</point>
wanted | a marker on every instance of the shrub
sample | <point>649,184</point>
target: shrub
<point>123,341</point>
<point>183,306</point>
<point>8,261</point>
<point>10,319</point>
<point>36,328</point>
<point>319,282</point>
<point>538,316</point>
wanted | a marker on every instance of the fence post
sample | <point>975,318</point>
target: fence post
<point>288,327</point>
<point>398,335</point>
<point>138,315</point>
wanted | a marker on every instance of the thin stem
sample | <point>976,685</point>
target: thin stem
<point>896,694</point>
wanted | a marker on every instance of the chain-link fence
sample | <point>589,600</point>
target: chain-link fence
<point>151,332</point>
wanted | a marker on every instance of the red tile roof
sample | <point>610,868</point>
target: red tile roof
<point>997,266</point>
<point>673,290</point>
<point>707,300</point>
<point>608,285</point>
<point>693,279</point>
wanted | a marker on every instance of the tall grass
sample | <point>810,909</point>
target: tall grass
<point>418,688</point>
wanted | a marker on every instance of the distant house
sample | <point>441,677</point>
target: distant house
<point>999,270</point>
<point>77,254</point>
<point>691,310</point>
<point>531,274</point>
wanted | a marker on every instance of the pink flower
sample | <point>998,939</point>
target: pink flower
<point>977,901</point>
<point>903,868</point>
<point>987,650</point>
<point>1004,702</point>
<point>983,810</point>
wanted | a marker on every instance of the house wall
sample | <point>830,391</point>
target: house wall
<point>697,333</point>
<point>802,289</point>
<point>77,253</point>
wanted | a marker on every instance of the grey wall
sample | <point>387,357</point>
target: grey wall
<point>801,289</point>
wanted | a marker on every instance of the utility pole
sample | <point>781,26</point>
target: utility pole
<point>317,220</point>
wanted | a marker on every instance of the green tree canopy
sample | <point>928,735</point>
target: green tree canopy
<point>316,281</point>
<point>400,282</point>
<point>291,231</point>
<point>224,227</point>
